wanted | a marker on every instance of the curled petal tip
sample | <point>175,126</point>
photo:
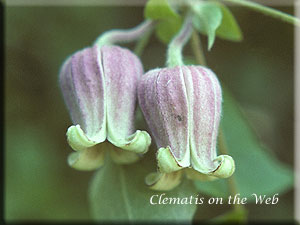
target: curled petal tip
<point>163,181</point>
<point>88,159</point>
<point>226,167</point>
<point>138,142</point>
<point>77,139</point>
<point>166,161</point>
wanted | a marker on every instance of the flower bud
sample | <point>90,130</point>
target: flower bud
<point>99,86</point>
<point>182,107</point>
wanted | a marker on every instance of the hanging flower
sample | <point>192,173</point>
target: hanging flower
<point>182,107</point>
<point>99,86</point>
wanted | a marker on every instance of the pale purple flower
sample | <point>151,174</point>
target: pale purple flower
<point>182,107</point>
<point>99,86</point>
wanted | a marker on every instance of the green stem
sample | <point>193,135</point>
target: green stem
<point>126,35</point>
<point>174,53</point>
<point>142,42</point>
<point>267,11</point>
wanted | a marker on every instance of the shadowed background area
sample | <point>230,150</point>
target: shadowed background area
<point>39,185</point>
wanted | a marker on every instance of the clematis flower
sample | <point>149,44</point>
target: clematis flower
<point>182,107</point>
<point>99,86</point>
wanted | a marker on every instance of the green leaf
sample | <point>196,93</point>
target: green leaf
<point>257,170</point>
<point>159,9</point>
<point>217,188</point>
<point>238,216</point>
<point>118,193</point>
<point>229,28</point>
<point>167,28</point>
<point>169,21</point>
<point>208,17</point>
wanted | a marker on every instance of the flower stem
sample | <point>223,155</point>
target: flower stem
<point>267,11</point>
<point>124,36</point>
<point>174,54</point>
<point>142,42</point>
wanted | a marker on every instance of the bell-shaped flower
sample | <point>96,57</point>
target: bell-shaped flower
<point>182,107</point>
<point>99,86</point>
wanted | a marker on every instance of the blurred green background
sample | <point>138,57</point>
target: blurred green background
<point>39,185</point>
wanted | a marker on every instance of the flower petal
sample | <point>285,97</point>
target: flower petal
<point>166,161</point>
<point>122,71</point>
<point>138,142</point>
<point>163,100</point>
<point>122,157</point>
<point>82,85</point>
<point>78,140</point>
<point>205,98</point>
<point>88,159</point>
<point>226,166</point>
<point>163,181</point>
<point>196,175</point>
